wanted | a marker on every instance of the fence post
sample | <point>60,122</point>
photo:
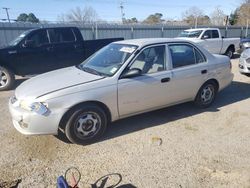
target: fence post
<point>162,32</point>
<point>132,32</point>
<point>241,32</point>
<point>247,27</point>
<point>226,32</point>
<point>96,31</point>
<point>93,32</point>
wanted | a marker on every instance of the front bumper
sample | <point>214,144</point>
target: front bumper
<point>244,67</point>
<point>31,123</point>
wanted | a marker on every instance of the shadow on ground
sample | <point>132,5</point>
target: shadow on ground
<point>111,180</point>
<point>236,92</point>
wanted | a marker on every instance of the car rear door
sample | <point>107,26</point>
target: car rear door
<point>149,90</point>
<point>67,49</point>
<point>189,71</point>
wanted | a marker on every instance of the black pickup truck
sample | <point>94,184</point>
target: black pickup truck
<point>41,50</point>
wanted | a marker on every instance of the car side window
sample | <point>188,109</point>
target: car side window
<point>40,38</point>
<point>61,35</point>
<point>207,33</point>
<point>215,34</point>
<point>150,60</point>
<point>184,55</point>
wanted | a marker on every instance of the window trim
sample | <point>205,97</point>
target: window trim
<point>63,42</point>
<point>217,33</point>
<point>166,58</point>
<point>34,33</point>
<point>189,44</point>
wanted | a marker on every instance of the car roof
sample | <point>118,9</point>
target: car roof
<point>198,29</point>
<point>149,41</point>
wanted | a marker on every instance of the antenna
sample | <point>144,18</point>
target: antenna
<point>122,11</point>
<point>7,13</point>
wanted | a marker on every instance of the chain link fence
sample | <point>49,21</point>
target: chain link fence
<point>8,31</point>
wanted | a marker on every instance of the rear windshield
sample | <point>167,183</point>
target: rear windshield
<point>190,34</point>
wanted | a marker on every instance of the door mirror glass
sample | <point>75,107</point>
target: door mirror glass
<point>205,37</point>
<point>132,73</point>
<point>29,44</point>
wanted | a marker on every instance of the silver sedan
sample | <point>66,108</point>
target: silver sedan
<point>122,79</point>
<point>244,65</point>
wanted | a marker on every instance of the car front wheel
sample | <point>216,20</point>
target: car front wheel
<point>7,79</point>
<point>86,124</point>
<point>206,95</point>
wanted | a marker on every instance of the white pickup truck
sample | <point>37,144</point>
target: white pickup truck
<point>212,40</point>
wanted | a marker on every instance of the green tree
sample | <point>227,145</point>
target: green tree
<point>233,18</point>
<point>32,18</point>
<point>27,18</point>
<point>154,19</point>
<point>22,17</point>
<point>131,21</point>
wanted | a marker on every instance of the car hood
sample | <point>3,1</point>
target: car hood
<point>54,81</point>
<point>244,40</point>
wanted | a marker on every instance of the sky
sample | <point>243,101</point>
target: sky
<point>108,10</point>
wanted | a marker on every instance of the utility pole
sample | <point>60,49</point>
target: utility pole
<point>122,11</point>
<point>7,13</point>
<point>247,27</point>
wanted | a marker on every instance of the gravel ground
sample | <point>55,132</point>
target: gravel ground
<point>180,146</point>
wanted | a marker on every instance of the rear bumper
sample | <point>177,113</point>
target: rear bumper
<point>226,81</point>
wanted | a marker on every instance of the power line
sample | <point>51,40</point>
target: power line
<point>7,13</point>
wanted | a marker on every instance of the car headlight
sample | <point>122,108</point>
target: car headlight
<point>246,44</point>
<point>37,107</point>
<point>248,60</point>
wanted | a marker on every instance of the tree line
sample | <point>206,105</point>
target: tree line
<point>192,16</point>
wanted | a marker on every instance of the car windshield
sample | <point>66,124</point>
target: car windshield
<point>108,60</point>
<point>190,34</point>
<point>19,38</point>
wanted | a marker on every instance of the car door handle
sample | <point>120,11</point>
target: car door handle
<point>163,80</point>
<point>204,72</point>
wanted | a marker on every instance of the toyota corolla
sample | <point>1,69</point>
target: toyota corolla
<point>120,80</point>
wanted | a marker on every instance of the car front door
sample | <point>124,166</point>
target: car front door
<point>189,71</point>
<point>211,41</point>
<point>36,55</point>
<point>150,89</point>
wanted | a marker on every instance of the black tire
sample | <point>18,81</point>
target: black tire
<point>7,79</point>
<point>206,94</point>
<point>89,119</point>
<point>230,52</point>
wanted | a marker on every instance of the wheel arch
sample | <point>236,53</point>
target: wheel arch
<point>231,46</point>
<point>66,115</point>
<point>213,80</point>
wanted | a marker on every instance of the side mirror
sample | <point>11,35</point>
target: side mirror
<point>205,37</point>
<point>132,73</point>
<point>29,44</point>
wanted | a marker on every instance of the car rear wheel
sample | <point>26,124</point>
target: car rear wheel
<point>206,95</point>
<point>86,124</point>
<point>230,52</point>
<point>7,79</point>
